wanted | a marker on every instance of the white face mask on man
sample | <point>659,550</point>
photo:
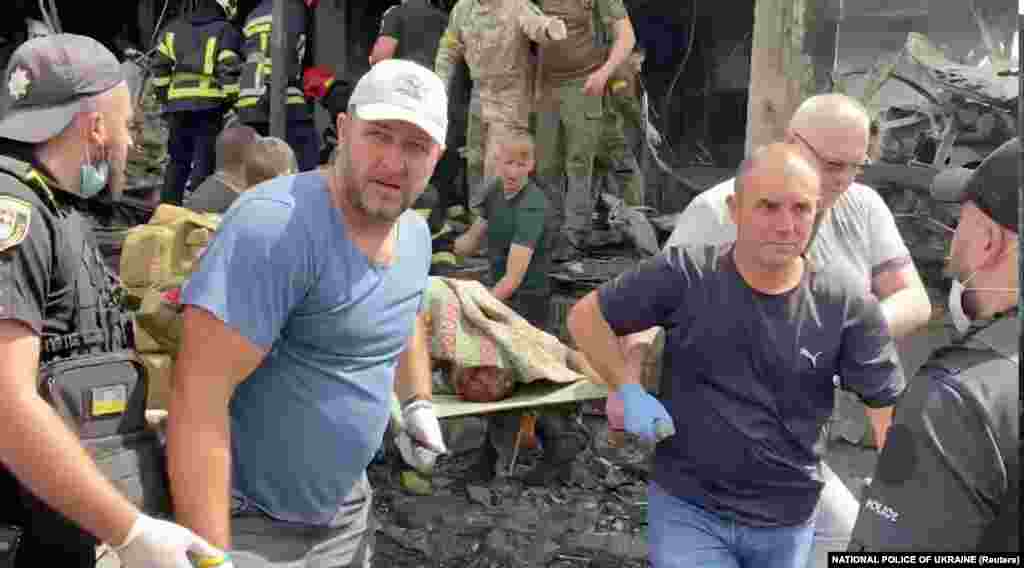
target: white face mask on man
<point>962,321</point>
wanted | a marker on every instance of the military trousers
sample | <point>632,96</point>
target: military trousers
<point>569,126</point>
<point>615,160</point>
<point>492,115</point>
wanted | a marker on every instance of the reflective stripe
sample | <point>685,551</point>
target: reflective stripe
<point>167,46</point>
<point>161,81</point>
<point>209,58</point>
<point>182,76</point>
<point>245,101</point>
<point>264,62</point>
<point>262,20</point>
<point>258,25</point>
<point>251,92</point>
<point>226,54</point>
<point>258,92</point>
<point>253,30</point>
<point>187,85</point>
<point>197,93</point>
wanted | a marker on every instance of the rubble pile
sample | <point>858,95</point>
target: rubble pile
<point>597,519</point>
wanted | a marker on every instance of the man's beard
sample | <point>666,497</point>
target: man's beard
<point>358,196</point>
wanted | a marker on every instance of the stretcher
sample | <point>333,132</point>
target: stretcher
<point>525,396</point>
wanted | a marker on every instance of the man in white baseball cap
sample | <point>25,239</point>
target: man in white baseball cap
<point>283,384</point>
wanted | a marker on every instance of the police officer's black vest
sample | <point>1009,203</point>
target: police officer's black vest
<point>101,324</point>
<point>970,366</point>
<point>91,374</point>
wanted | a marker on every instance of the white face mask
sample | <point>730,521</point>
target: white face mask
<point>961,321</point>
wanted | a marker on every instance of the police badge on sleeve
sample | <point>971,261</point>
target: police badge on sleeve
<point>15,215</point>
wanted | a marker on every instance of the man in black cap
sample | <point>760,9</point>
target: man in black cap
<point>948,478</point>
<point>64,136</point>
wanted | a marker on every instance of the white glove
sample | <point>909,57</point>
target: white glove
<point>420,440</point>
<point>556,29</point>
<point>153,543</point>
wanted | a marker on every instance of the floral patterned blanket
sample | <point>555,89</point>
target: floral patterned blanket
<point>470,327</point>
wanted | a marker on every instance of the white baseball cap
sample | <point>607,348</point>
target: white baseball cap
<point>397,89</point>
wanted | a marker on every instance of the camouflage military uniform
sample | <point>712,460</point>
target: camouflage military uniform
<point>493,37</point>
<point>569,123</point>
<point>616,156</point>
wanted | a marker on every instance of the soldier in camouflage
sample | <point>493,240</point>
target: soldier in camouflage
<point>623,125</point>
<point>574,75</point>
<point>493,37</point>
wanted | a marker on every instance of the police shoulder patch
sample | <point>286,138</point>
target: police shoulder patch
<point>15,216</point>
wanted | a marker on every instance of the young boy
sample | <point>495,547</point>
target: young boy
<point>267,158</point>
<point>516,219</point>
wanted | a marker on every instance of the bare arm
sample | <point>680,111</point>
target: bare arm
<point>904,300</point>
<point>412,378</point>
<point>469,242</point>
<point>515,269</point>
<point>625,41</point>
<point>214,359</point>
<point>39,449</point>
<point>598,344</point>
<point>906,307</point>
<point>383,48</point>
<point>881,419</point>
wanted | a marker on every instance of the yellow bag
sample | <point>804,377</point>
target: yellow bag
<point>161,254</point>
<point>156,259</point>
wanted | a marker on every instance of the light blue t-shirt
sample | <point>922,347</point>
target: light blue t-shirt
<point>283,271</point>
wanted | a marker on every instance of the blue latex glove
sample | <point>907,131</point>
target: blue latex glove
<point>644,415</point>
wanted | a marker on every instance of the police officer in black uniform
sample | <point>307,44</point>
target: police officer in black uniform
<point>253,106</point>
<point>196,70</point>
<point>67,377</point>
<point>948,478</point>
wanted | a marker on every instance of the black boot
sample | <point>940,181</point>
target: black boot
<point>486,468</point>
<point>564,439</point>
<point>502,428</point>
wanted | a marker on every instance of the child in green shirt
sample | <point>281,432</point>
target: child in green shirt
<point>516,218</point>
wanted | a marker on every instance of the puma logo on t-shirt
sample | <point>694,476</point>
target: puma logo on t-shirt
<point>812,358</point>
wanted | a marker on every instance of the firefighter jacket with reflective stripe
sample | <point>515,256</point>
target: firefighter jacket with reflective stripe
<point>198,64</point>
<point>253,104</point>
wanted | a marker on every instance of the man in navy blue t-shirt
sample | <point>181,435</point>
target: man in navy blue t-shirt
<point>754,334</point>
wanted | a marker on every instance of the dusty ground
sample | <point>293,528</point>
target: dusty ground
<point>597,520</point>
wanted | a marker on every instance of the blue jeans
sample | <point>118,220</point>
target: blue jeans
<point>681,535</point>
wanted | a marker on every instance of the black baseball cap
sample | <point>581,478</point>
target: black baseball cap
<point>46,80</point>
<point>993,186</point>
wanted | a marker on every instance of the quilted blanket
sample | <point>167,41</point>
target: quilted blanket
<point>470,327</point>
